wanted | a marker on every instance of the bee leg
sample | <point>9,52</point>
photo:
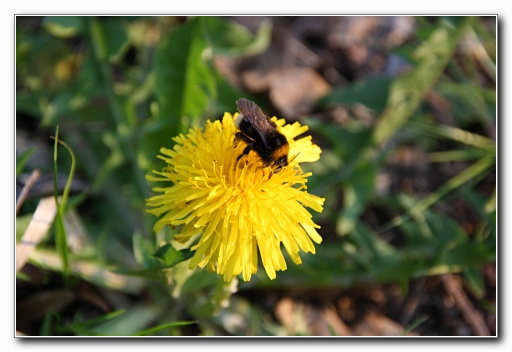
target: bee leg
<point>246,151</point>
<point>239,136</point>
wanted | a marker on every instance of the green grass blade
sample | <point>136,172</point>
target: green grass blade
<point>409,328</point>
<point>60,232</point>
<point>408,91</point>
<point>455,182</point>
<point>454,134</point>
<point>65,194</point>
<point>84,328</point>
<point>22,159</point>
<point>455,155</point>
<point>163,327</point>
<point>130,322</point>
<point>60,235</point>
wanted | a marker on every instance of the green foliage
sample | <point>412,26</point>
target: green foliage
<point>120,88</point>
<point>64,26</point>
<point>117,114</point>
<point>408,91</point>
<point>372,93</point>
<point>431,242</point>
<point>184,83</point>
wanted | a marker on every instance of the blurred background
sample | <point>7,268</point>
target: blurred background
<point>404,109</point>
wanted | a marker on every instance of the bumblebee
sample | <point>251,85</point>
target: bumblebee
<point>260,134</point>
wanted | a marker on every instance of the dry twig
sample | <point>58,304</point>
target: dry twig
<point>453,286</point>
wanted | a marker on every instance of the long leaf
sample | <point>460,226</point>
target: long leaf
<point>455,182</point>
<point>163,327</point>
<point>408,91</point>
<point>61,237</point>
<point>60,234</point>
<point>183,79</point>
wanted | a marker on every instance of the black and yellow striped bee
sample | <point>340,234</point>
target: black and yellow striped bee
<point>261,135</point>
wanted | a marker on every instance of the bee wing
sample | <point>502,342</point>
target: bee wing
<point>256,117</point>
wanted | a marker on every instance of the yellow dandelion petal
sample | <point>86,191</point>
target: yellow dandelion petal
<point>237,207</point>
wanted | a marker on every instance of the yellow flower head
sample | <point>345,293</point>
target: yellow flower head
<point>234,203</point>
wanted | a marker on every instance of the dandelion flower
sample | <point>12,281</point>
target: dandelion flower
<point>234,205</point>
